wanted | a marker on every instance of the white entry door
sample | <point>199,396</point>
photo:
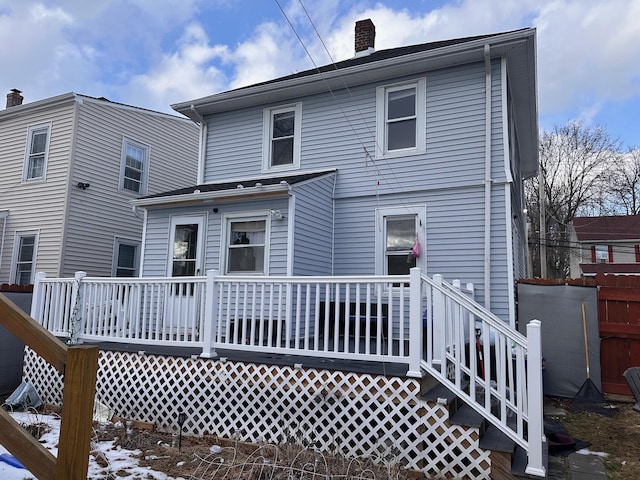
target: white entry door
<point>185,260</point>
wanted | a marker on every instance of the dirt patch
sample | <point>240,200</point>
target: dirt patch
<point>618,435</point>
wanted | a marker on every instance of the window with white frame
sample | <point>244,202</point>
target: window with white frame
<point>401,118</point>
<point>397,231</point>
<point>281,137</point>
<point>24,256</point>
<point>37,152</point>
<point>126,258</point>
<point>134,167</point>
<point>247,238</point>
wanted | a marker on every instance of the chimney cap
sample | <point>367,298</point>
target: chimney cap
<point>15,90</point>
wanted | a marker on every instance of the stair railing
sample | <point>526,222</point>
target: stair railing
<point>493,368</point>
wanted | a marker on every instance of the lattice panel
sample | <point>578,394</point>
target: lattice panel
<point>340,412</point>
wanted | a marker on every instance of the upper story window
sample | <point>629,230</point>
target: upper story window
<point>134,167</point>
<point>601,254</point>
<point>401,118</point>
<point>281,137</point>
<point>37,152</point>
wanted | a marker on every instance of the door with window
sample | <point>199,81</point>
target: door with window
<point>185,260</point>
<point>397,231</point>
<point>24,256</point>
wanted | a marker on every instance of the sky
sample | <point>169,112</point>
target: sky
<point>153,53</point>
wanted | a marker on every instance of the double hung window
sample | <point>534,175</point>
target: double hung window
<point>246,244</point>
<point>281,145</point>
<point>401,118</point>
<point>126,258</point>
<point>24,256</point>
<point>35,166</point>
<point>133,171</point>
<point>397,231</point>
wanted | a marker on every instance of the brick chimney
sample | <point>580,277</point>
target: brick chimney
<point>365,37</point>
<point>14,98</point>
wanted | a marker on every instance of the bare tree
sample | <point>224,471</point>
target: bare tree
<point>576,162</point>
<point>624,190</point>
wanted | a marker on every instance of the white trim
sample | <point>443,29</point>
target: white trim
<point>267,128</point>
<point>117,241</point>
<point>27,153</point>
<point>509,225</point>
<point>291,225</point>
<point>175,220</point>
<point>226,220</point>
<point>506,127</point>
<point>146,149</point>
<point>420,211</point>
<point>14,257</point>
<point>420,84</point>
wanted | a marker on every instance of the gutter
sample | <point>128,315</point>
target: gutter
<point>202,146</point>
<point>487,179</point>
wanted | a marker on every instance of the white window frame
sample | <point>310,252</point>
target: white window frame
<point>267,122</point>
<point>33,129</point>
<point>229,218</point>
<point>123,164</point>
<point>187,220</point>
<point>16,248</point>
<point>116,251</point>
<point>420,212</point>
<point>382,93</point>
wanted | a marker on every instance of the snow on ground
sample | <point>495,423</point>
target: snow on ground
<point>119,460</point>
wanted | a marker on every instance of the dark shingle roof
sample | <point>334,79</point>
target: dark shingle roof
<point>591,229</point>
<point>233,185</point>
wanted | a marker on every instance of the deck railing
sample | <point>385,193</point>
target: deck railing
<point>422,322</point>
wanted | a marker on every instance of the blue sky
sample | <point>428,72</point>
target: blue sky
<point>152,53</point>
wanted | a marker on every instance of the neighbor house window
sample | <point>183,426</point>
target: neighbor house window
<point>281,137</point>
<point>601,254</point>
<point>397,230</point>
<point>134,168</point>
<point>246,244</point>
<point>401,118</point>
<point>126,258</point>
<point>24,256</point>
<point>37,152</point>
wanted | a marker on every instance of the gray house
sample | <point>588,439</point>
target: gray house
<point>344,169</point>
<point>69,167</point>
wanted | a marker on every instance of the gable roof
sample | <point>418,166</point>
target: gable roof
<point>248,187</point>
<point>603,229</point>
<point>518,47</point>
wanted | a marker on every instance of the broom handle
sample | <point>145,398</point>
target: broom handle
<point>586,344</point>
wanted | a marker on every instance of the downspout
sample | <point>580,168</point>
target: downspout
<point>487,179</point>
<point>333,223</point>
<point>202,146</point>
<point>3,215</point>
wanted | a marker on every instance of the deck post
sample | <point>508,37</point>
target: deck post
<point>415,323</point>
<point>38,297</point>
<point>210,315</point>
<point>535,400</point>
<point>439,340</point>
<point>75,322</point>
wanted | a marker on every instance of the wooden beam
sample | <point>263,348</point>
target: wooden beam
<point>26,448</point>
<point>32,333</point>
<point>77,413</point>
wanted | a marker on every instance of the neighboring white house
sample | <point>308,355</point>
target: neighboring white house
<point>341,170</point>
<point>69,167</point>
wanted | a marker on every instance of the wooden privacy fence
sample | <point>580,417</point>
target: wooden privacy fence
<point>619,325</point>
<point>79,365</point>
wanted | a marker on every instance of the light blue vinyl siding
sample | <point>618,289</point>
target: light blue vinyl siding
<point>313,231</point>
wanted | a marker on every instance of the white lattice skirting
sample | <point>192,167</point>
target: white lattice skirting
<point>355,414</point>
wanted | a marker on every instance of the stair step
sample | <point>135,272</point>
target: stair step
<point>494,439</point>
<point>438,393</point>
<point>467,417</point>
